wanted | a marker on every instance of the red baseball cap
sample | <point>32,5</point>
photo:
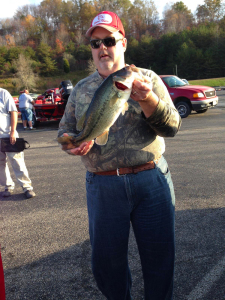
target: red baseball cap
<point>107,20</point>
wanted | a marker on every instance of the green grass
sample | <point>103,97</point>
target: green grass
<point>209,82</point>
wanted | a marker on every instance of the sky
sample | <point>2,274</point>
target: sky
<point>10,6</point>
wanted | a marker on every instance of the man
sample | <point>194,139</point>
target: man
<point>127,179</point>
<point>8,117</point>
<point>26,106</point>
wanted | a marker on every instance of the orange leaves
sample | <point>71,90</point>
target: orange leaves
<point>10,41</point>
<point>59,46</point>
<point>28,21</point>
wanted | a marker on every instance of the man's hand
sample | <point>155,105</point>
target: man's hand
<point>141,89</point>
<point>12,137</point>
<point>142,93</point>
<point>83,149</point>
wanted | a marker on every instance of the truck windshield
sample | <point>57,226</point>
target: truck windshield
<point>173,81</point>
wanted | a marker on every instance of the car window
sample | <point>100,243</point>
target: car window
<point>173,81</point>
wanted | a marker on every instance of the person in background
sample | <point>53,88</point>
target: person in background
<point>128,181</point>
<point>26,108</point>
<point>8,124</point>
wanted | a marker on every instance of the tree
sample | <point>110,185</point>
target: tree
<point>44,50</point>
<point>86,13</point>
<point>3,51</point>
<point>63,35</point>
<point>10,41</point>
<point>24,73</point>
<point>48,65</point>
<point>29,52</point>
<point>13,53</point>
<point>140,20</point>
<point>59,49</point>
<point>23,11</point>
<point>53,10</point>
<point>131,56</point>
<point>211,11</point>
<point>72,61</point>
<point>83,52</point>
<point>66,65</point>
<point>202,14</point>
<point>2,64</point>
<point>119,6</point>
<point>177,17</point>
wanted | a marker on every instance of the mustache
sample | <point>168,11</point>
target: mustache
<point>103,53</point>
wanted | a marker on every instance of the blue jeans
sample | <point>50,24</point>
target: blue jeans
<point>147,201</point>
<point>26,113</point>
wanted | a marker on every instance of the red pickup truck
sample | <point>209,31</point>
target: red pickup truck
<point>189,97</point>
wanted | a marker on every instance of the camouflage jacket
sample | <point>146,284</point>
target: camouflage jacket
<point>133,139</point>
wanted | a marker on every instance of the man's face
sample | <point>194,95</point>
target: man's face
<point>108,59</point>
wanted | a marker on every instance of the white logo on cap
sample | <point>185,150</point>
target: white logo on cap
<point>103,18</point>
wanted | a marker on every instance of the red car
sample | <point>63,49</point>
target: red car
<point>189,97</point>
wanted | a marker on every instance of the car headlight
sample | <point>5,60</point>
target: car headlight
<point>198,95</point>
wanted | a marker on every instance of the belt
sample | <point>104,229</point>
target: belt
<point>130,170</point>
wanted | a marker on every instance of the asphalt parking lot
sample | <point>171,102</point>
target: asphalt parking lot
<point>45,243</point>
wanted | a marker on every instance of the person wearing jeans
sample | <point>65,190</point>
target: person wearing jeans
<point>150,211</point>
<point>128,182</point>
<point>8,124</point>
<point>26,107</point>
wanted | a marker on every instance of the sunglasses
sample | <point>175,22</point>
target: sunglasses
<point>108,42</point>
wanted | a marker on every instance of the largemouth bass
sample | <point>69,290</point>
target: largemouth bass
<point>108,102</point>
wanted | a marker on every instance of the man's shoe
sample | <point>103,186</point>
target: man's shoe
<point>7,192</point>
<point>32,128</point>
<point>30,194</point>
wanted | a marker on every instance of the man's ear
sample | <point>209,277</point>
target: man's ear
<point>124,43</point>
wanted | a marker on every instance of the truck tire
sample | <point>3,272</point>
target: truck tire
<point>202,111</point>
<point>183,108</point>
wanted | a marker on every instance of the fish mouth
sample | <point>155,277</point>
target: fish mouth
<point>120,86</point>
<point>123,79</point>
<point>123,83</point>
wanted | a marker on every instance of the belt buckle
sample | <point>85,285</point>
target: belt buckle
<point>118,172</point>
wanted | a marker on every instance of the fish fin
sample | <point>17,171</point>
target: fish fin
<point>80,123</point>
<point>125,108</point>
<point>103,138</point>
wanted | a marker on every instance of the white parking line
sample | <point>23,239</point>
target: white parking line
<point>203,287</point>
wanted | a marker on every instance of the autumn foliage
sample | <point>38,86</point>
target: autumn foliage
<point>52,36</point>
